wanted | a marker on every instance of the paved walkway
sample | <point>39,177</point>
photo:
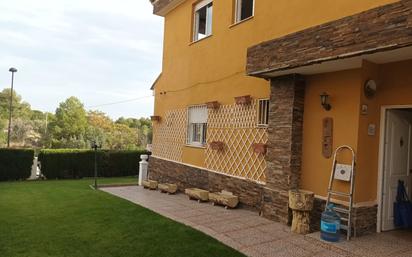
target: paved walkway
<point>394,243</point>
<point>255,236</point>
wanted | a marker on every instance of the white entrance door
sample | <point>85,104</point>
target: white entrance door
<point>396,162</point>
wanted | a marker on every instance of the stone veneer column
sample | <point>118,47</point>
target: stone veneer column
<point>285,144</point>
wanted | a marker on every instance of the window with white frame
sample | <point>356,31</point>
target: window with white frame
<point>244,9</point>
<point>203,19</point>
<point>197,125</point>
<point>263,112</point>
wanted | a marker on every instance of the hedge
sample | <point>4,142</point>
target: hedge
<point>15,164</point>
<point>62,163</point>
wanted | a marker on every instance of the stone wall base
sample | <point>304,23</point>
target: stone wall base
<point>364,218</point>
<point>275,205</point>
<point>249,192</point>
<point>272,204</point>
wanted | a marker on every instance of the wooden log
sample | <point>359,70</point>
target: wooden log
<point>301,200</point>
<point>227,200</point>
<point>301,222</point>
<point>149,184</point>
<point>168,188</point>
<point>198,194</point>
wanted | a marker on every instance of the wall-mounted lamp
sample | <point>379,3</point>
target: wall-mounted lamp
<point>324,100</point>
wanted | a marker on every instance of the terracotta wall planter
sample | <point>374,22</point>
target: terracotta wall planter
<point>260,148</point>
<point>217,146</point>
<point>243,100</point>
<point>155,118</point>
<point>213,105</point>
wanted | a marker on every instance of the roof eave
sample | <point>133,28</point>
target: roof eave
<point>155,82</point>
<point>382,29</point>
<point>163,7</point>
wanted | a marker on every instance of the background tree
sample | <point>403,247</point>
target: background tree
<point>20,109</point>
<point>69,124</point>
<point>100,128</point>
<point>69,127</point>
<point>20,118</point>
<point>126,137</point>
<point>22,132</point>
<point>3,132</point>
<point>143,128</point>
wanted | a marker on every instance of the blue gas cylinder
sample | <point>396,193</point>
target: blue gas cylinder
<point>330,225</point>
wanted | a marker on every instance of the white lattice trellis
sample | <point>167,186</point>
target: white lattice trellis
<point>235,125</point>
<point>170,135</point>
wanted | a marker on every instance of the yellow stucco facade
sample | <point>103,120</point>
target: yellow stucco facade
<point>213,69</point>
<point>350,127</point>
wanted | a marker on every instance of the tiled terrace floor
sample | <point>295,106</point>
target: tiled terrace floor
<point>395,243</point>
<point>256,236</point>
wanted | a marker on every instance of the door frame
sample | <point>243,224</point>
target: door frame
<point>382,136</point>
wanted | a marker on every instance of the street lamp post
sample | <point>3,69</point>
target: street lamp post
<point>95,146</point>
<point>12,70</point>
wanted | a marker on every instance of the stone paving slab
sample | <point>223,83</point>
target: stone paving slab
<point>251,234</point>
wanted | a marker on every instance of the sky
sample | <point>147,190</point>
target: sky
<point>101,51</point>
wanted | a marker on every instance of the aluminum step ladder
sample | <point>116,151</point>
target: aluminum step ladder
<point>346,173</point>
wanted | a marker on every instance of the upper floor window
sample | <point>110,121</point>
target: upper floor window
<point>263,112</point>
<point>244,9</point>
<point>203,19</point>
<point>197,125</point>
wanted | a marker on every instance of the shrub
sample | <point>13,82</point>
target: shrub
<point>65,163</point>
<point>15,164</point>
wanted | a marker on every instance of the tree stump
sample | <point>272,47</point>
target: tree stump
<point>301,203</point>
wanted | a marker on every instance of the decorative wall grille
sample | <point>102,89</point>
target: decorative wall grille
<point>236,126</point>
<point>170,135</point>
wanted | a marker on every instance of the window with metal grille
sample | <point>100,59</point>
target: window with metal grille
<point>197,125</point>
<point>244,9</point>
<point>263,112</point>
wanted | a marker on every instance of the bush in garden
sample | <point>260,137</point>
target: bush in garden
<point>15,164</point>
<point>69,163</point>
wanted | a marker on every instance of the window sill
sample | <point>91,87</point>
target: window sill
<point>199,40</point>
<point>242,21</point>
<point>196,146</point>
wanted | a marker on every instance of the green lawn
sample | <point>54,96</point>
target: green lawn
<point>68,219</point>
